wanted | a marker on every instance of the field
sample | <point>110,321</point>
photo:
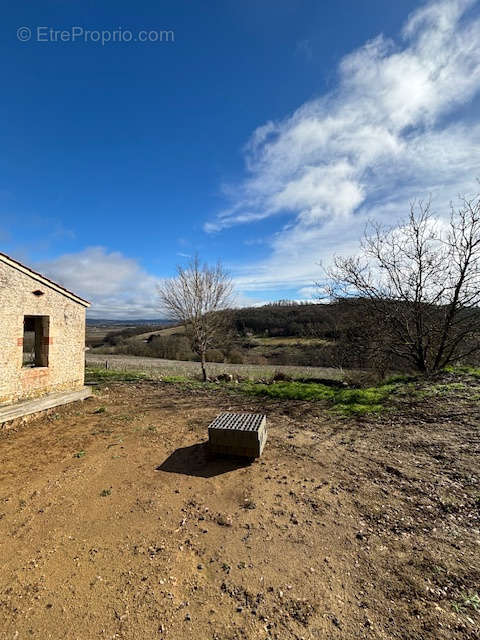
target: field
<point>285,341</point>
<point>288,341</point>
<point>96,331</point>
<point>161,367</point>
<point>168,331</point>
<point>247,349</point>
<point>115,522</point>
<point>95,334</point>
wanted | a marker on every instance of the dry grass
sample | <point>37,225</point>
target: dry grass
<point>168,331</point>
<point>157,367</point>
<point>290,341</point>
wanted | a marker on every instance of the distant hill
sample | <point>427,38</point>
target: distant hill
<point>102,331</point>
<point>133,322</point>
<point>288,319</point>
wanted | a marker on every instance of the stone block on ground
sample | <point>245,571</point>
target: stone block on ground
<point>238,434</point>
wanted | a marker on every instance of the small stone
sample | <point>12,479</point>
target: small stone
<point>200,567</point>
<point>188,617</point>
<point>224,520</point>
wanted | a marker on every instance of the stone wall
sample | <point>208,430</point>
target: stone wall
<point>63,338</point>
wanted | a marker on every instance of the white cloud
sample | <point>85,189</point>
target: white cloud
<point>309,293</point>
<point>240,300</point>
<point>391,131</point>
<point>116,285</point>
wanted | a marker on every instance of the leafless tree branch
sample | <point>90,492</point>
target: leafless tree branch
<point>422,282</point>
<point>197,298</point>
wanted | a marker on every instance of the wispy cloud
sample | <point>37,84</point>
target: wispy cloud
<point>304,48</point>
<point>393,129</point>
<point>116,285</point>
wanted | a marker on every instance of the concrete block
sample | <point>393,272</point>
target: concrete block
<point>238,434</point>
<point>49,401</point>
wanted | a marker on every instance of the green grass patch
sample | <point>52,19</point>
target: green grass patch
<point>346,401</point>
<point>97,374</point>
<point>466,601</point>
<point>176,379</point>
<point>464,369</point>
<point>361,401</point>
<point>401,378</point>
<point>189,383</point>
<point>441,389</point>
<point>289,390</point>
<point>100,410</point>
<point>79,454</point>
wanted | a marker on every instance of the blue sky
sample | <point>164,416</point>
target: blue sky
<point>263,134</point>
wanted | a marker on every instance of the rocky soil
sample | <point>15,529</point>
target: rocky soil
<point>115,522</point>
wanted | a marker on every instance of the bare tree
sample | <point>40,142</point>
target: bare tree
<point>421,282</point>
<point>197,298</point>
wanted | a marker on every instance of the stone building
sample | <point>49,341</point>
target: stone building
<point>42,339</point>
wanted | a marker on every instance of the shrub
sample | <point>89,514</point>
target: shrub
<point>281,376</point>
<point>235,357</point>
<point>214,355</point>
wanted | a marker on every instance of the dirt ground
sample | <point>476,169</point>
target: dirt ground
<point>345,528</point>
